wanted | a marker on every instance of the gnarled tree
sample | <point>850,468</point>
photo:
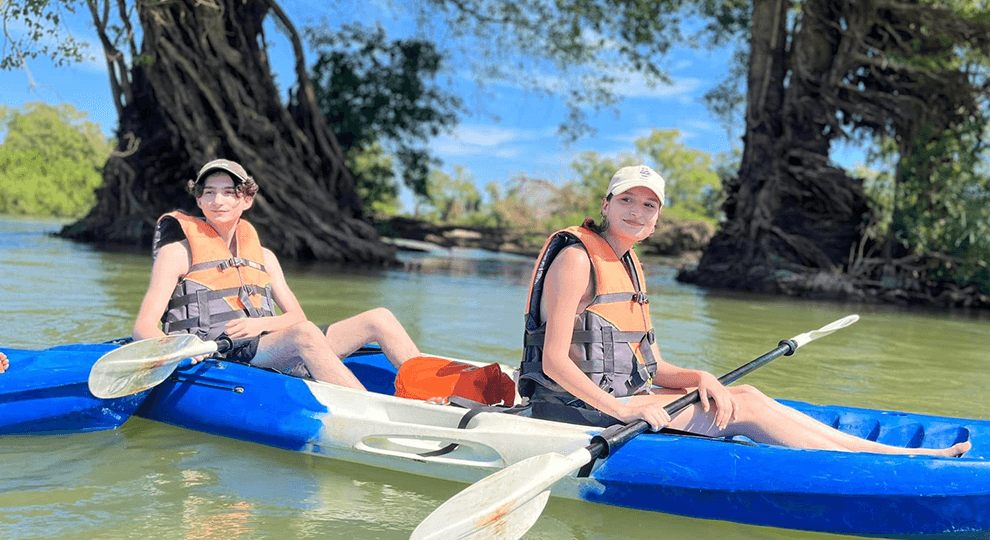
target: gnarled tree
<point>818,71</point>
<point>199,86</point>
<point>883,68</point>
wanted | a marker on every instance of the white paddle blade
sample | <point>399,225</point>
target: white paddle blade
<point>504,505</point>
<point>143,364</point>
<point>522,520</point>
<point>807,337</point>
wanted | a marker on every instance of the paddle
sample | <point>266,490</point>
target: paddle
<point>143,364</point>
<point>507,503</point>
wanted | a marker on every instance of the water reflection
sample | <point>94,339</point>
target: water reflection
<point>54,289</point>
<point>148,480</point>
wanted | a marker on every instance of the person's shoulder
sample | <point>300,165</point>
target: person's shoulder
<point>174,253</point>
<point>575,253</point>
<point>268,254</point>
<point>270,260</point>
<point>179,247</point>
<point>573,258</point>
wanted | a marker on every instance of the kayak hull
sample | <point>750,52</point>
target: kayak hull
<point>835,492</point>
<point>47,392</point>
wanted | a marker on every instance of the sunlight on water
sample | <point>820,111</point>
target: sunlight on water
<point>149,480</point>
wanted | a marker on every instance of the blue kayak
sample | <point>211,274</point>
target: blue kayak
<point>46,392</point>
<point>733,480</point>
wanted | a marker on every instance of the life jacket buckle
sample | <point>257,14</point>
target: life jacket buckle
<point>641,298</point>
<point>234,261</point>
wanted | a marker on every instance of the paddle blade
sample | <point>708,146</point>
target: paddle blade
<point>143,364</point>
<point>807,337</point>
<point>504,505</point>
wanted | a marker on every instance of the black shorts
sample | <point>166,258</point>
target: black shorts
<point>244,350</point>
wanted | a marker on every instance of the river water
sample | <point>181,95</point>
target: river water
<point>150,480</point>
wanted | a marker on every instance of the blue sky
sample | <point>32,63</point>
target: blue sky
<point>508,131</point>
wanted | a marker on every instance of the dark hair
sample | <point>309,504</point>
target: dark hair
<point>598,228</point>
<point>243,188</point>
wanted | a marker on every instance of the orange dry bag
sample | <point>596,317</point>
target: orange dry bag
<point>425,377</point>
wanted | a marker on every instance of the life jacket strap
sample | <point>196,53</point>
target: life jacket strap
<point>638,297</point>
<point>233,262</point>
<point>170,327</point>
<point>206,295</point>
<point>606,335</point>
<point>208,319</point>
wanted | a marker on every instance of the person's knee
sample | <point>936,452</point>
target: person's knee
<point>749,391</point>
<point>750,402</point>
<point>381,321</point>
<point>382,316</point>
<point>306,335</point>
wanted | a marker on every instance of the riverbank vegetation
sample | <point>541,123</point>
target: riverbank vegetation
<point>51,161</point>
<point>538,204</point>
<point>906,80</point>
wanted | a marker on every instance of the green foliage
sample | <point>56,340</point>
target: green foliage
<point>374,173</point>
<point>452,199</point>
<point>50,161</point>
<point>943,201</point>
<point>385,93</point>
<point>34,28</point>
<point>581,50</point>
<point>693,185</point>
<point>939,203</point>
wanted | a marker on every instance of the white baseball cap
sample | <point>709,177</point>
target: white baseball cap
<point>627,178</point>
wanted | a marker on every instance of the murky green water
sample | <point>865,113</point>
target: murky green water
<point>149,480</point>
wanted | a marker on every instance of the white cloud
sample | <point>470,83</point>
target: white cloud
<point>477,139</point>
<point>639,87</point>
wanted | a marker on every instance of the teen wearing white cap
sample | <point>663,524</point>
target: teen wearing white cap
<point>591,353</point>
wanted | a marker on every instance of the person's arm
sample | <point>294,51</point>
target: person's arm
<point>709,389</point>
<point>292,312</point>
<point>568,280</point>
<point>171,264</point>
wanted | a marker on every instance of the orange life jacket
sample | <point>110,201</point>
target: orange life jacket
<point>219,286</point>
<point>614,332</point>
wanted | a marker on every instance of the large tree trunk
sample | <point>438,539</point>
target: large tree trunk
<point>884,68</point>
<point>202,88</point>
<point>789,209</point>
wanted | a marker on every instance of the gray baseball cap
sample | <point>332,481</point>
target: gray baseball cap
<point>231,167</point>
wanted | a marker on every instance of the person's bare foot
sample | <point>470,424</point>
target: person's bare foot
<point>957,450</point>
<point>4,364</point>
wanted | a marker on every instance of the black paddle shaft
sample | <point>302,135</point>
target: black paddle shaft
<point>224,344</point>
<point>612,438</point>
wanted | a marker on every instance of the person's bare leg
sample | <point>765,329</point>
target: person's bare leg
<point>378,325</point>
<point>766,421</point>
<point>304,341</point>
